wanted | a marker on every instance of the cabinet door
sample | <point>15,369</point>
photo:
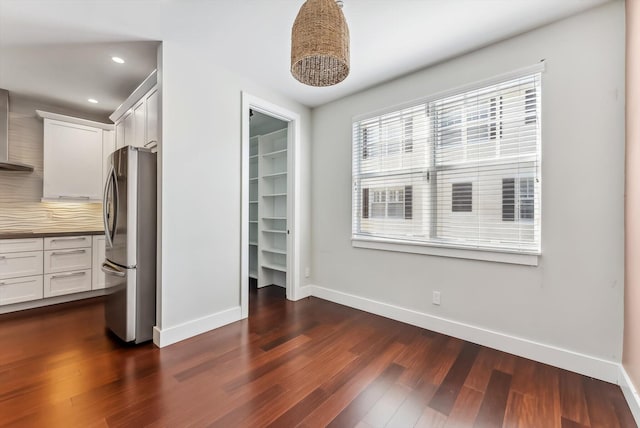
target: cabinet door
<point>18,290</point>
<point>14,265</point>
<point>128,131</point>
<point>139,124</point>
<point>152,119</point>
<point>120,134</point>
<point>108,147</point>
<point>66,242</point>
<point>72,161</point>
<point>56,261</point>
<point>58,284</point>
<point>98,279</point>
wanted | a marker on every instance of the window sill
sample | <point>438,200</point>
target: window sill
<point>460,253</point>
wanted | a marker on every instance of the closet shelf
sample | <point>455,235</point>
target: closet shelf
<point>275,175</point>
<point>274,266</point>
<point>275,153</point>
<point>274,251</point>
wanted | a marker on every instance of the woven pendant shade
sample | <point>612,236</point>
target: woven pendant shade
<point>320,44</point>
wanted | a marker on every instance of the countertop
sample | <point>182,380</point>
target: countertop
<point>21,234</point>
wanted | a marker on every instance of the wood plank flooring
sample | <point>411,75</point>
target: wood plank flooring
<point>310,363</point>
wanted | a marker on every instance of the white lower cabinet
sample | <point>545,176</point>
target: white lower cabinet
<point>67,242</point>
<point>38,268</point>
<point>20,270</point>
<point>20,245</point>
<point>14,265</point>
<point>58,284</point>
<point>57,261</point>
<point>17,290</point>
<point>67,268</point>
<point>99,250</point>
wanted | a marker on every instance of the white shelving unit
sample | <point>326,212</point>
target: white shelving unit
<point>253,207</point>
<point>272,208</point>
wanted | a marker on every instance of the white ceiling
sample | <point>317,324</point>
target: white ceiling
<point>60,49</point>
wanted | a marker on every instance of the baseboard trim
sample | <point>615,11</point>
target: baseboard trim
<point>595,367</point>
<point>304,292</point>
<point>169,336</point>
<point>630,393</point>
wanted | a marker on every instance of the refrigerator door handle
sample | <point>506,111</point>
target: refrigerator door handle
<point>111,183</point>
<point>111,269</point>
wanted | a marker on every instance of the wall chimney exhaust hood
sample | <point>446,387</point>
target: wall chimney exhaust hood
<point>5,164</point>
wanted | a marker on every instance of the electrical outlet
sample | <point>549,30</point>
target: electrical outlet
<point>307,272</point>
<point>436,298</point>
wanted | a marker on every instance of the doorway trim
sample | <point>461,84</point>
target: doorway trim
<point>250,102</point>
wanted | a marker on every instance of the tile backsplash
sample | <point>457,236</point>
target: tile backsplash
<point>20,192</point>
<point>55,216</point>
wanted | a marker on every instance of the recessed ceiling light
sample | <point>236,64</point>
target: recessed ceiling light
<point>117,59</point>
<point>93,101</point>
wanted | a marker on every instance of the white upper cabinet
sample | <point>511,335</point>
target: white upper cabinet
<point>139,113</point>
<point>151,123</point>
<point>137,118</point>
<point>72,161</point>
<point>120,134</point>
<point>73,158</point>
<point>108,147</point>
<point>129,129</point>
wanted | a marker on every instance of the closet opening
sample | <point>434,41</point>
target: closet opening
<point>268,263</point>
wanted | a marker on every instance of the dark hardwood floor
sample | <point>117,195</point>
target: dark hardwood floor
<point>308,363</point>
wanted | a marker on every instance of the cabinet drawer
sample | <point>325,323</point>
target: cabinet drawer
<point>14,265</point>
<point>58,284</point>
<point>18,290</point>
<point>64,242</point>
<point>20,245</point>
<point>66,260</point>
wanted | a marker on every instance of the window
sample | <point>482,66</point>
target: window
<point>387,203</point>
<point>457,171</point>
<point>518,201</point>
<point>386,138</point>
<point>461,197</point>
<point>530,106</point>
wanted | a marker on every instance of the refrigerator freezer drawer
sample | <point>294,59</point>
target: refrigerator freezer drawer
<point>120,308</point>
<point>20,264</point>
<point>18,290</point>
<point>67,260</point>
<point>57,284</point>
<point>64,242</point>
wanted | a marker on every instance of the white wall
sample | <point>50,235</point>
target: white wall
<point>201,199</point>
<point>574,298</point>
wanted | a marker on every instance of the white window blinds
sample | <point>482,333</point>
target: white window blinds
<point>459,171</point>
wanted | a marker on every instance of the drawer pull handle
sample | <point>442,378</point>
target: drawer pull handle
<point>74,197</point>
<point>19,243</point>
<point>17,282</point>
<point>151,142</point>
<point>16,257</point>
<point>69,239</point>
<point>67,275</point>
<point>62,253</point>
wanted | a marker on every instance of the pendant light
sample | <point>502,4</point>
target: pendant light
<point>320,44</point>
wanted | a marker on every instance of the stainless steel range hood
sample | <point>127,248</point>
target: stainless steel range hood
<point>5,164</point>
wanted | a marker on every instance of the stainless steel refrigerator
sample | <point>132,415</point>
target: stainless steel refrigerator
<point>130,230</point>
